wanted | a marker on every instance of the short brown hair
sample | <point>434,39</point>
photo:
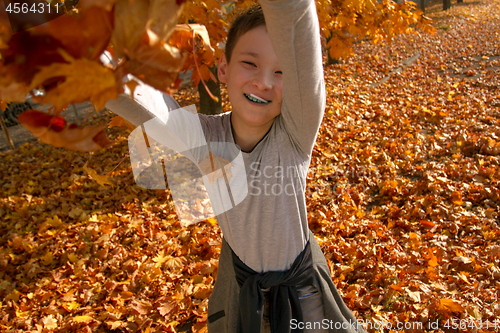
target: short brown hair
<point>252,18</point>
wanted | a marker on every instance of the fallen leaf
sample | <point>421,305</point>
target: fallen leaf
<point>175,263</point>
<point>160,259</point>
<point>70,306</point>
<point>449,305</point>
<point>54,222</point>
<point>166,308</point>
<point>102,180</point>
<point>48,258</point>
<point>83,319</point>
<point>49,322</point>
<point>413,295</point>
<point>141,307</point>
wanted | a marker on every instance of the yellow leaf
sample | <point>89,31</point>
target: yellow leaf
<point>102,180</point>
<point>413,295</point>
<point>173,324</point>
<point>21,314</point>
<point>82,319</point>
<point>84,80</point>
<point>70,306</point>
<point>47,258</point>
<point>55,221</point>
<point>160,258</point>
<point>126,294</point>
<point>72,257</point>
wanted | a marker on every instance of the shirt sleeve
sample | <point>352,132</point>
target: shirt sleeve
<point>294,31</point>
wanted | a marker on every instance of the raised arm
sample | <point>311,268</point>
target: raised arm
<point>294,30</point>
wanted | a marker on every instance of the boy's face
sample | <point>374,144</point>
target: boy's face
<point>253,80</point>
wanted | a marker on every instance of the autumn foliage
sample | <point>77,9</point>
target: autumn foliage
<point>344,22</point>
<point>403,196</point>
<point>62,56</point>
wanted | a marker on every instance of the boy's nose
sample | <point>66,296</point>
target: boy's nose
<point>263,81</point>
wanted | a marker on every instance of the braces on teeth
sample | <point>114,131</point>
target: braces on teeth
<point>258,98</point>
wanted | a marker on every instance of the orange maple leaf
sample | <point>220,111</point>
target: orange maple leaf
<point>141,33</point>
<point>82,80</point>
<point>449,305</point>
<point>94,28</point>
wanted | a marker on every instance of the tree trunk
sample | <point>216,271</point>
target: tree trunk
<point>207,104</point>
<point>6,132</point>
<point>422,5</point>
<point>446,4</point>
<point>460,1</point>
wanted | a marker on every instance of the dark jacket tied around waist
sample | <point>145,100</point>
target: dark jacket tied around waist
<point>284,301</point>
<point>230,312</point>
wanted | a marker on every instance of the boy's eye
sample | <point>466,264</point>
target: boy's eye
<point>249,63</point>
<point>278,72</point>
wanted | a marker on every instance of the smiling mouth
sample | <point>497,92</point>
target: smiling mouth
<point>256,99</point>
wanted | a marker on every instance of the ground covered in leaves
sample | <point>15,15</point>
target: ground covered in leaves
<point>403,196</point>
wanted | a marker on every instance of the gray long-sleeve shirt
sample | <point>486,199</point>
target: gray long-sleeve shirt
<point>269,228</point>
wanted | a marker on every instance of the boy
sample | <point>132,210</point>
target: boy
<point>274,75</point>
<point>272,276</point>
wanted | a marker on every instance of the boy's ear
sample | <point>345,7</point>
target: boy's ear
<point>222,69</point>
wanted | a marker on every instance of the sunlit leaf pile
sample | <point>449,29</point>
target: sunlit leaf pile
<point>403,195</point>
